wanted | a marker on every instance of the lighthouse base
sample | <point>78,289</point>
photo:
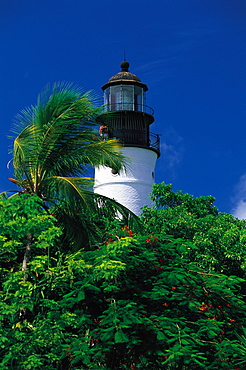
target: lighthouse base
<point>131,187</point>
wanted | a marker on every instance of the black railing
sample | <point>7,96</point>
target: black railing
<point>154,141</point>
<point>128,107</point>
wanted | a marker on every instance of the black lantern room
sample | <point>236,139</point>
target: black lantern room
<point>125,114</point>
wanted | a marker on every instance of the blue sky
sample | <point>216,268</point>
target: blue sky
<point>190,53</point>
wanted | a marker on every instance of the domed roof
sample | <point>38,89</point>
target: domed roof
<point>125,77</point>
<point>124,74</point>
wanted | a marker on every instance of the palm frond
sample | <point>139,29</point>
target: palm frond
<point>71,189</point>
<point>24,145</point>
<point>49,129</point>
<point>59,101</point>
<point>77,193</point>
<point>24,119</point>
<point>74,162</point>
<point>105,153</point>
<point>76,205</point>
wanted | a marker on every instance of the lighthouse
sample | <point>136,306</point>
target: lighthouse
<point>126,117</point>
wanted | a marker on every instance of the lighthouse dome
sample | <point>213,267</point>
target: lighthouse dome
<point>125,77</point>
<point>124,74</point>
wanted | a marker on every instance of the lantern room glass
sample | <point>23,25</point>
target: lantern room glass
<point>124,97</point>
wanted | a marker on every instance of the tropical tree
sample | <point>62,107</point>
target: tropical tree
<point>130,302</point>
<point>55,142</point>
<point>220,239</point>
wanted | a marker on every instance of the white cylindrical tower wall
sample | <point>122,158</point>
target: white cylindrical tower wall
<point>132,187</point>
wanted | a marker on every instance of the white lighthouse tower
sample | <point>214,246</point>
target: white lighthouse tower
<point>128,118</point>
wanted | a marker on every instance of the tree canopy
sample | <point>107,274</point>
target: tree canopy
<point>136,299</point>
<point>219,237</point>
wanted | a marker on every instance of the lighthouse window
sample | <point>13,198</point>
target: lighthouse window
<point>114,172</point>
<point>127,97</point>
<point>138,98</point>
<point>124,97</point>
<point>115,98</point>
<point>106,99</point>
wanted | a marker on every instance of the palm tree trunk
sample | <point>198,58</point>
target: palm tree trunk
<point>27,255</point>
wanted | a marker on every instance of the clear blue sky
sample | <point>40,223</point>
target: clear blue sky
<point>190,53</point>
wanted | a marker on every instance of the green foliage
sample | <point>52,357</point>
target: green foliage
<point>171,297</point>
<point>163,196</point>
<point>219,237</point>
<point>130,302</point>
<point>16,223</point>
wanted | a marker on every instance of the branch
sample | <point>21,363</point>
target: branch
<point>205,273</point>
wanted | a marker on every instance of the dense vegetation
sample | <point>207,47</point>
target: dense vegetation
<point>83,289</point>
<point>151,298</point>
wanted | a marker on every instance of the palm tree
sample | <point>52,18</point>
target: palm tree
<point>56,140</point>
